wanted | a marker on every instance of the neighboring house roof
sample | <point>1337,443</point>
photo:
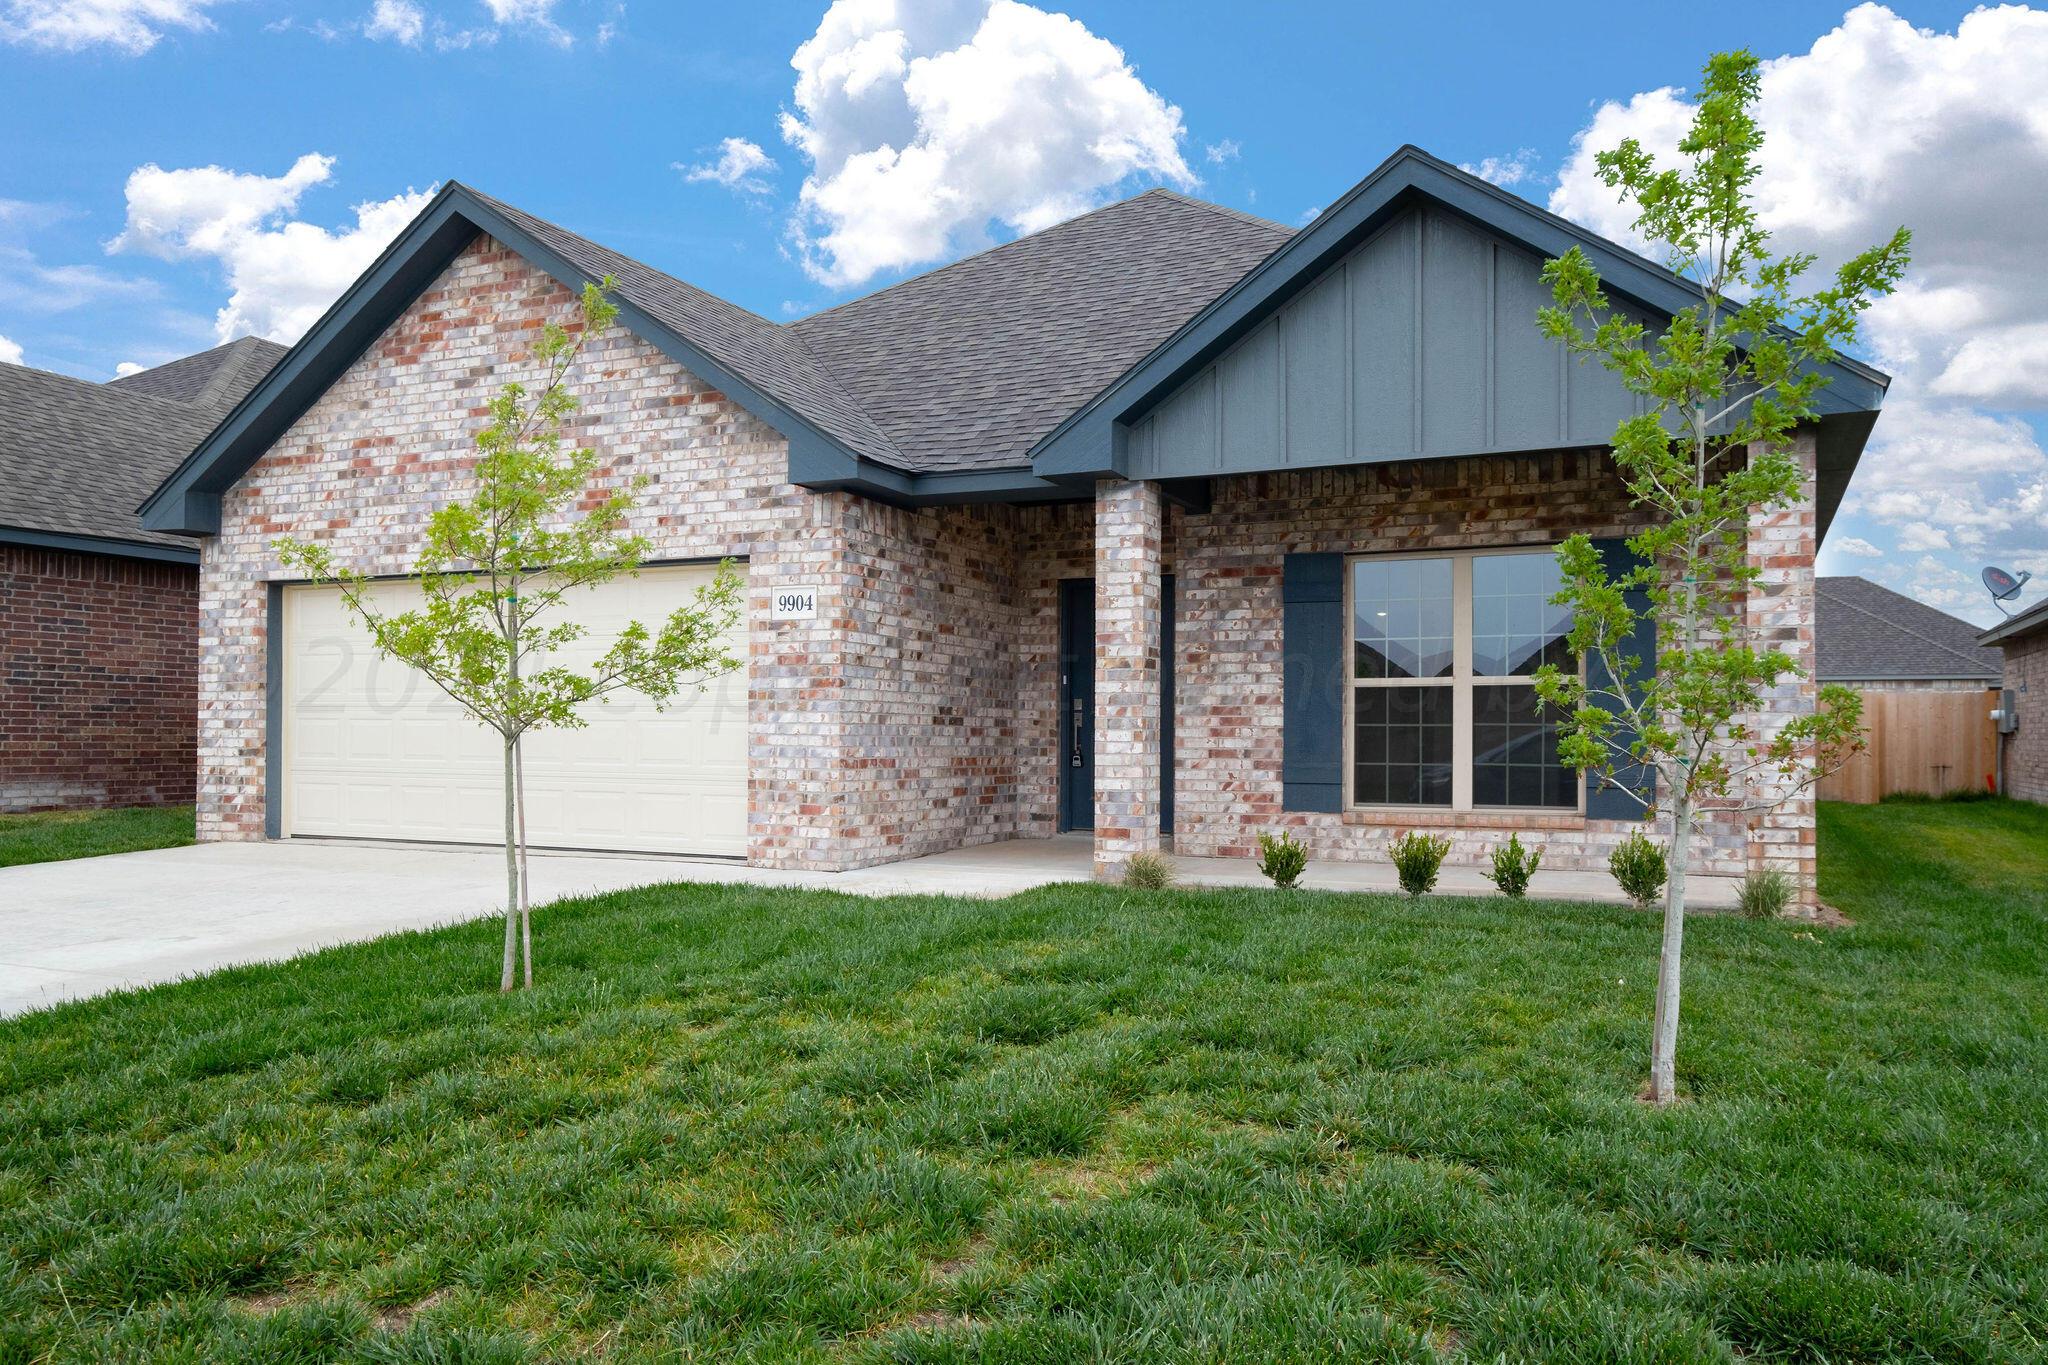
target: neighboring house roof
<point>76,457</point>
<point>1863,632</point>
<point>966,383</point>
<point>2021,625</point>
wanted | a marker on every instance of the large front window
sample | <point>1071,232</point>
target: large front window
<point>1443,712</point>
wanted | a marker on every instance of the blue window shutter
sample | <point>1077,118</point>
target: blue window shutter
<point>1312,653</point>
<point>1604,800</point>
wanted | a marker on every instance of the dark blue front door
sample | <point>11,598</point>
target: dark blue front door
<point>1077,703</point>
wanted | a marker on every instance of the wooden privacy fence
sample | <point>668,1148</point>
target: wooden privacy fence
<point>1919,742</point>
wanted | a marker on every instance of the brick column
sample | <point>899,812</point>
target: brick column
<point>1128,532</point>
<point>1782,545</point>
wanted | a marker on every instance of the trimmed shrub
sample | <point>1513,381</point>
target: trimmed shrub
<point>1283,858</point>
<point>1514,865</point>
<point>1418,858</point>
<point>1148,872</point>
<point>1765,893</point>
<point>1639,869</point>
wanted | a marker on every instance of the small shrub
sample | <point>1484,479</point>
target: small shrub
<point>1418,858</point>
<point>1148,872</point>
<point>1283,858</point>
<point>1514,865</point>
<point>1765,893</point>
<point>1638,867</point>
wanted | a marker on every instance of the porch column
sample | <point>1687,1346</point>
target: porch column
<point>1782,545</point>
<point>1129,522</point>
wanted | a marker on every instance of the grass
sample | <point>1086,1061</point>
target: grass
<point>1078,1124</point>
<point>52,836</point>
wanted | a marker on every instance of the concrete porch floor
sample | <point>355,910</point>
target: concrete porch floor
<point>79,928</point>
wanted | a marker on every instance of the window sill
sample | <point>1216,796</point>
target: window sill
<point>1437,817</point>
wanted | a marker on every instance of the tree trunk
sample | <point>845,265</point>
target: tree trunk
<point>525,876</point>
<point>511,871</point>
<point>1664,1043</point>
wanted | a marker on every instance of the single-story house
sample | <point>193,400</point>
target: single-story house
<point>1166,523</point>
<point>99,616</point>
<point>1875,640</point>
<point>1928,691</point>
<point>2024,641</point>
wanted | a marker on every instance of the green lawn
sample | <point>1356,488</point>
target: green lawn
<point>1077,1124</point>
<point>52,836</point>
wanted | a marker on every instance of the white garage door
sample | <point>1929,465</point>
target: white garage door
<point>373,750</point>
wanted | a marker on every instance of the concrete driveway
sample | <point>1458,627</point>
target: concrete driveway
<point>88,925</point>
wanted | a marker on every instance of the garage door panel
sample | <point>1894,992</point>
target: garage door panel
<point>374,750</point>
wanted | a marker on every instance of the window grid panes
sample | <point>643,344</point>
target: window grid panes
<point>1442,712</point>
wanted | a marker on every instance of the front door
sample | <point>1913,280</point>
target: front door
<point>1077,704</point>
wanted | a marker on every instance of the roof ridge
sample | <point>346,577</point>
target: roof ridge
<point>1900,625</point>
<point>1241,215</point>
<point>996,247</point>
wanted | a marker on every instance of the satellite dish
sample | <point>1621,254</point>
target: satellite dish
<point>2003,586</point>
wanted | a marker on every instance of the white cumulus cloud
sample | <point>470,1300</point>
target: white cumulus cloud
<point>741,165</point>
<point>1881,124</point>
<point>130,26</point>
<point>10,351</point>
<point>928,124</point>
<point>1505,171</point>
<point>128,367</point>
<point>282,273</point>
<point>399,20</point>
<point>1857,546</point>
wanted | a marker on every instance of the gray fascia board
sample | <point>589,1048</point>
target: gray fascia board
<point>188,501</point>
<point>2026,622</point>
<point>883,484</point>
<point>1085,445</point>
<point>111,546</point>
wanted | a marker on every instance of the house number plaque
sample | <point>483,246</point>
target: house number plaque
<point>794,604</point>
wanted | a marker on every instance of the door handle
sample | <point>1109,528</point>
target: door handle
<point>1080,723</point>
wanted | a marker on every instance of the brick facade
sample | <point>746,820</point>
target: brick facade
<point>919,710</point>
<point>97,680</point>
<point>875,731</point>
<point>2026,749</point>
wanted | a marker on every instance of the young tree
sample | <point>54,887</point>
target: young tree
<point>493,570</point>
<point>1727,384</point>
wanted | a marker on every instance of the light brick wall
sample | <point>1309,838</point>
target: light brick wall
<point>2026,749</point>
<point>838,734</point>
<point>97,680</point>
<point>1230,656</point>
<point>1780,605</point>
<point>1129,529</point>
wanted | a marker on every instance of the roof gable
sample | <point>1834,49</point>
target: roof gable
<point>1094,441</point>
<point>760,366</point>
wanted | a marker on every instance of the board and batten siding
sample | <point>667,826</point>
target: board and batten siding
<point>1422,342</point>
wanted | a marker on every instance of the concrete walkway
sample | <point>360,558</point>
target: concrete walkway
<point>78,928</point>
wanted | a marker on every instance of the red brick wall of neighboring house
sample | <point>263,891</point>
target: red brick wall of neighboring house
<point>98,680</point>
<point>2026,750</point>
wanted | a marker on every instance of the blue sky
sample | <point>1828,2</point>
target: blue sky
<point>595,112</point>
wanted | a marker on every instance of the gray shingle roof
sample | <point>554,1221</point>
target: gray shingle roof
<point>225,372</point>
<point>1863,632</point>
<point>773,358</point>
<point>77,457</point>
<point>966,367</point>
